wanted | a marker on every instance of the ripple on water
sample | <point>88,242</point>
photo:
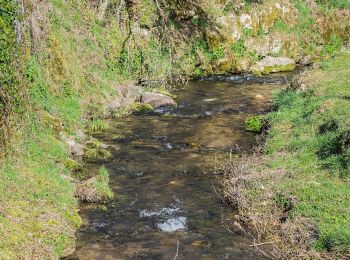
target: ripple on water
<point>167,222</point>
<point>173,224</point>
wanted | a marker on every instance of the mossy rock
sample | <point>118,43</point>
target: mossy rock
<point>52,122</point>
<point>164,92</point>
<point>93,143</point>
<point>271,65</point>
<point>97,154</point>
<point>255,124</point>
<point>95,189</point>
<point>73,165</point>
<point>141,108</point>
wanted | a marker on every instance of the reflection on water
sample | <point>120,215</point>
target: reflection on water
<point>161,176</point>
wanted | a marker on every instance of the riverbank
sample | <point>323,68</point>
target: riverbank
<point>67,65</point>
<point>293,195</point>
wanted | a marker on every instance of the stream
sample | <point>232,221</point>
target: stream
<point>161,172</point>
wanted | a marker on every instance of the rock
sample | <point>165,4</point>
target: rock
<point>264,46</point>
<point>141,107</point>
<point>73,165</point>
<point>92,190</point>
<point>259,97</point>
<point>135,92</point>
<point>246,21</point>
<point>127,96</point>
<point>271,64</point>
<point>75,149</point>
<point>122,90</point>
<point>97,154</point>
<point>243,64</point>
<point>306,60</point>
<point>114,105</point>
<point>80,134</point>
<point>126,102</point>
<point>223,66</point>
<point>157,100</point>
<point>53,122</point>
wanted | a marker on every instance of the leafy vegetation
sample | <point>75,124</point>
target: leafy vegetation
<point>255,123</point>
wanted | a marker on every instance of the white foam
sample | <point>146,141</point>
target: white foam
<point>173,224</point>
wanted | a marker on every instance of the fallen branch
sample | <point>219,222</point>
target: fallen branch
<point>217,194</point>
<point>177,250</point>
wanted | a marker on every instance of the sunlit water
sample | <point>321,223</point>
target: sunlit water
<point>161,174</point>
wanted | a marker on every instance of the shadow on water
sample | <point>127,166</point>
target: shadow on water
<point>160,174</point>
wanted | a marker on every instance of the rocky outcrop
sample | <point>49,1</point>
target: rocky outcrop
<point>271,64</point>
<point>157,100</point>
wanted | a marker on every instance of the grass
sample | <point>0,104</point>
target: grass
<point>38,210</point>
<point>308,127</point>
<point>298,191</point>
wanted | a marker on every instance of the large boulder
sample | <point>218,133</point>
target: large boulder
<point>127,94</point>
<point>271,64</point>
<point>157,100</point>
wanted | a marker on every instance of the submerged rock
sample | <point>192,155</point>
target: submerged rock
<point>271,64</point>
<point>157,100</point>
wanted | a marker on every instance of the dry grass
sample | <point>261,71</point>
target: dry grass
<point>249,186</point>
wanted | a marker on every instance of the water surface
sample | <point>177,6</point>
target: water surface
<point>161,174</point>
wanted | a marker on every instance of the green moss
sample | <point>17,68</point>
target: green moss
<point>141,107</point>
<point>277,68</point>
<point>163,91</point>
<point>102,184</point>
<point>96,154</point>
<point>73,165</point>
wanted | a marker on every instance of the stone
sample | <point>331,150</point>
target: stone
<point>265,46</point>
<point>91,191</point>
<point>75,149</point>
<point>135,92</point>
<point>73,165</point>
<point>114,105</point>
<point>127,102</point>
<point>127,95</point>
<point>122,90</point>
<point>306,60</point>
<point>243,64</point>
<point>80,134</point>
<point>157,100</point>
<point>246,21</point>
<point>53,122</point>
<point>271,64</point>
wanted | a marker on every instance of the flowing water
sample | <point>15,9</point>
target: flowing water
<point>166,206</point>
